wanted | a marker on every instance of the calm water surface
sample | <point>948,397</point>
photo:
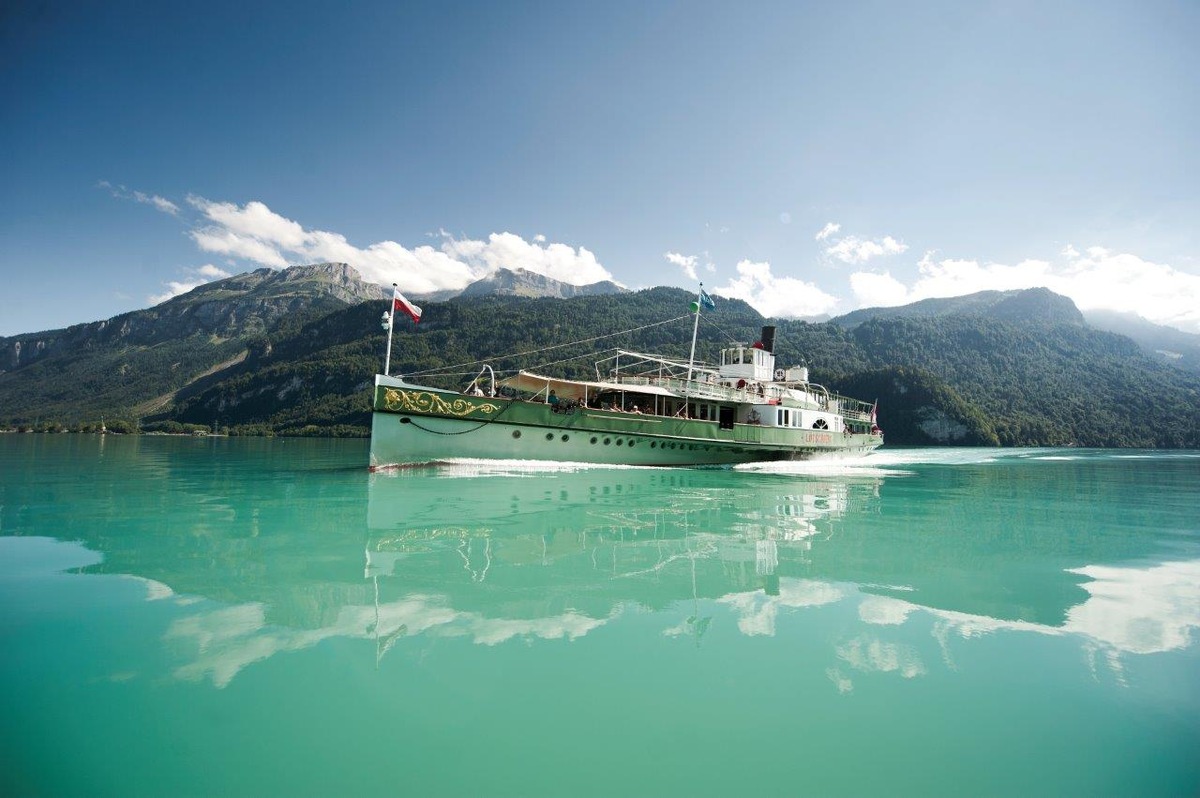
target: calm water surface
<point>251,617</point>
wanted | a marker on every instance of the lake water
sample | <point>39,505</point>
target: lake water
<point>251,617</point>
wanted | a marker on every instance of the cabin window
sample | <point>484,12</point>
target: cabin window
<point>820,423</point>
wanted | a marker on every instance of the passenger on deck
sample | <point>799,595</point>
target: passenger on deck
<point>553,398</point>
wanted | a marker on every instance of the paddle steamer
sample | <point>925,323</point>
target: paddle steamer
<point>640,409</point>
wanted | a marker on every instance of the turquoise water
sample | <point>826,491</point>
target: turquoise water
<point>253,617</point>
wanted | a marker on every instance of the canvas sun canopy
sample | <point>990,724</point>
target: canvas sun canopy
<point>575,389</point>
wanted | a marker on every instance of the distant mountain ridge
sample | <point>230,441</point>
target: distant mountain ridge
<point>1039,305</point>
<point>137,360</point>
<point>523,283</point>
<point>233,306</point>
<point>294,352</point>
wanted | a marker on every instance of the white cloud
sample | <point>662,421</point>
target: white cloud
<point>1125,282</point>
<point>234,245</point>
<point>685,262</point>
<point>162,203</point>
<point>121,192</point>
<point>1097,278</point>
<point>194,279</point>
<point>255,233</point>
<point>853,249</point>
<point>877,290</point>
<point>212,272</point>
<point>784,297</point>
<point>825,232</point>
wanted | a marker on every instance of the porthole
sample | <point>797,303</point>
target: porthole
<point>566,438</point>
<point>607,441</point>
<point>631,444</point>
<point>653,444</point>
<point>594,440</point>
<point>619,441</point>
<point>516,433</point>
<point>549,436</point>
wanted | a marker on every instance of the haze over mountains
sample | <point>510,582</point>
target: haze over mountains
<point>294,352</point>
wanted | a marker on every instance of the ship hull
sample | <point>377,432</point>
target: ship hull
<point>414,424</point>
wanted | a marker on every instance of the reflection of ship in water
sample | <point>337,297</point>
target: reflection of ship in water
<point>556,554</point>
<point>491,555</point>
<point>589,540</point>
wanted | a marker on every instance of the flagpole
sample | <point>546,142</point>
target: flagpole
<point>387,358</point>
<point>695,329</point>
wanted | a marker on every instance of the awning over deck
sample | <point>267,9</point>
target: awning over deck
<point>577,389</point>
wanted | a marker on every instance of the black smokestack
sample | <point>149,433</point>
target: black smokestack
<point>768,338</point>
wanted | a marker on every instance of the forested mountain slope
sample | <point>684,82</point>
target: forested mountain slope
<point>1016,368</point>
<point>132,364</point>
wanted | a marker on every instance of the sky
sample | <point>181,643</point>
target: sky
<point>809,158</point>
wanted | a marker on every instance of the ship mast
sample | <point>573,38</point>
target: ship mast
<point>695,329</point>
<point>388,320</point>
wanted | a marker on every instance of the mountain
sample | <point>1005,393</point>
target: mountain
<point>135,363</point>
<point>1037,305</point>
<point>1162,343</point>
<point>519,282</point>
<point>955,379</point>
<point>1015,368</point>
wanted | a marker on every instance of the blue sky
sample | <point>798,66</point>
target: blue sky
<point>810,158</point>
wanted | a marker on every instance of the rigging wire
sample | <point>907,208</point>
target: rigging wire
<point>729,338</point>
<point>444,369</point>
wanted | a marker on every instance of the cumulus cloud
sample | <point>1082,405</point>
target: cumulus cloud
<point>194,279</point>
<point>853,249</point>
<point>254,233</point>
<point>685,262</point>
<point>784,297</point>
<point>1101,278</point>
<point>878,290</point>
<point>1095,278</point>
<point>825,232</point>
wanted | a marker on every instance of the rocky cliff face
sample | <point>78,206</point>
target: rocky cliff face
<point>245,304</point>
<point>523,283</point>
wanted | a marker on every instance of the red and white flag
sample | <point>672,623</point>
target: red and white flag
<point>400,303</point>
